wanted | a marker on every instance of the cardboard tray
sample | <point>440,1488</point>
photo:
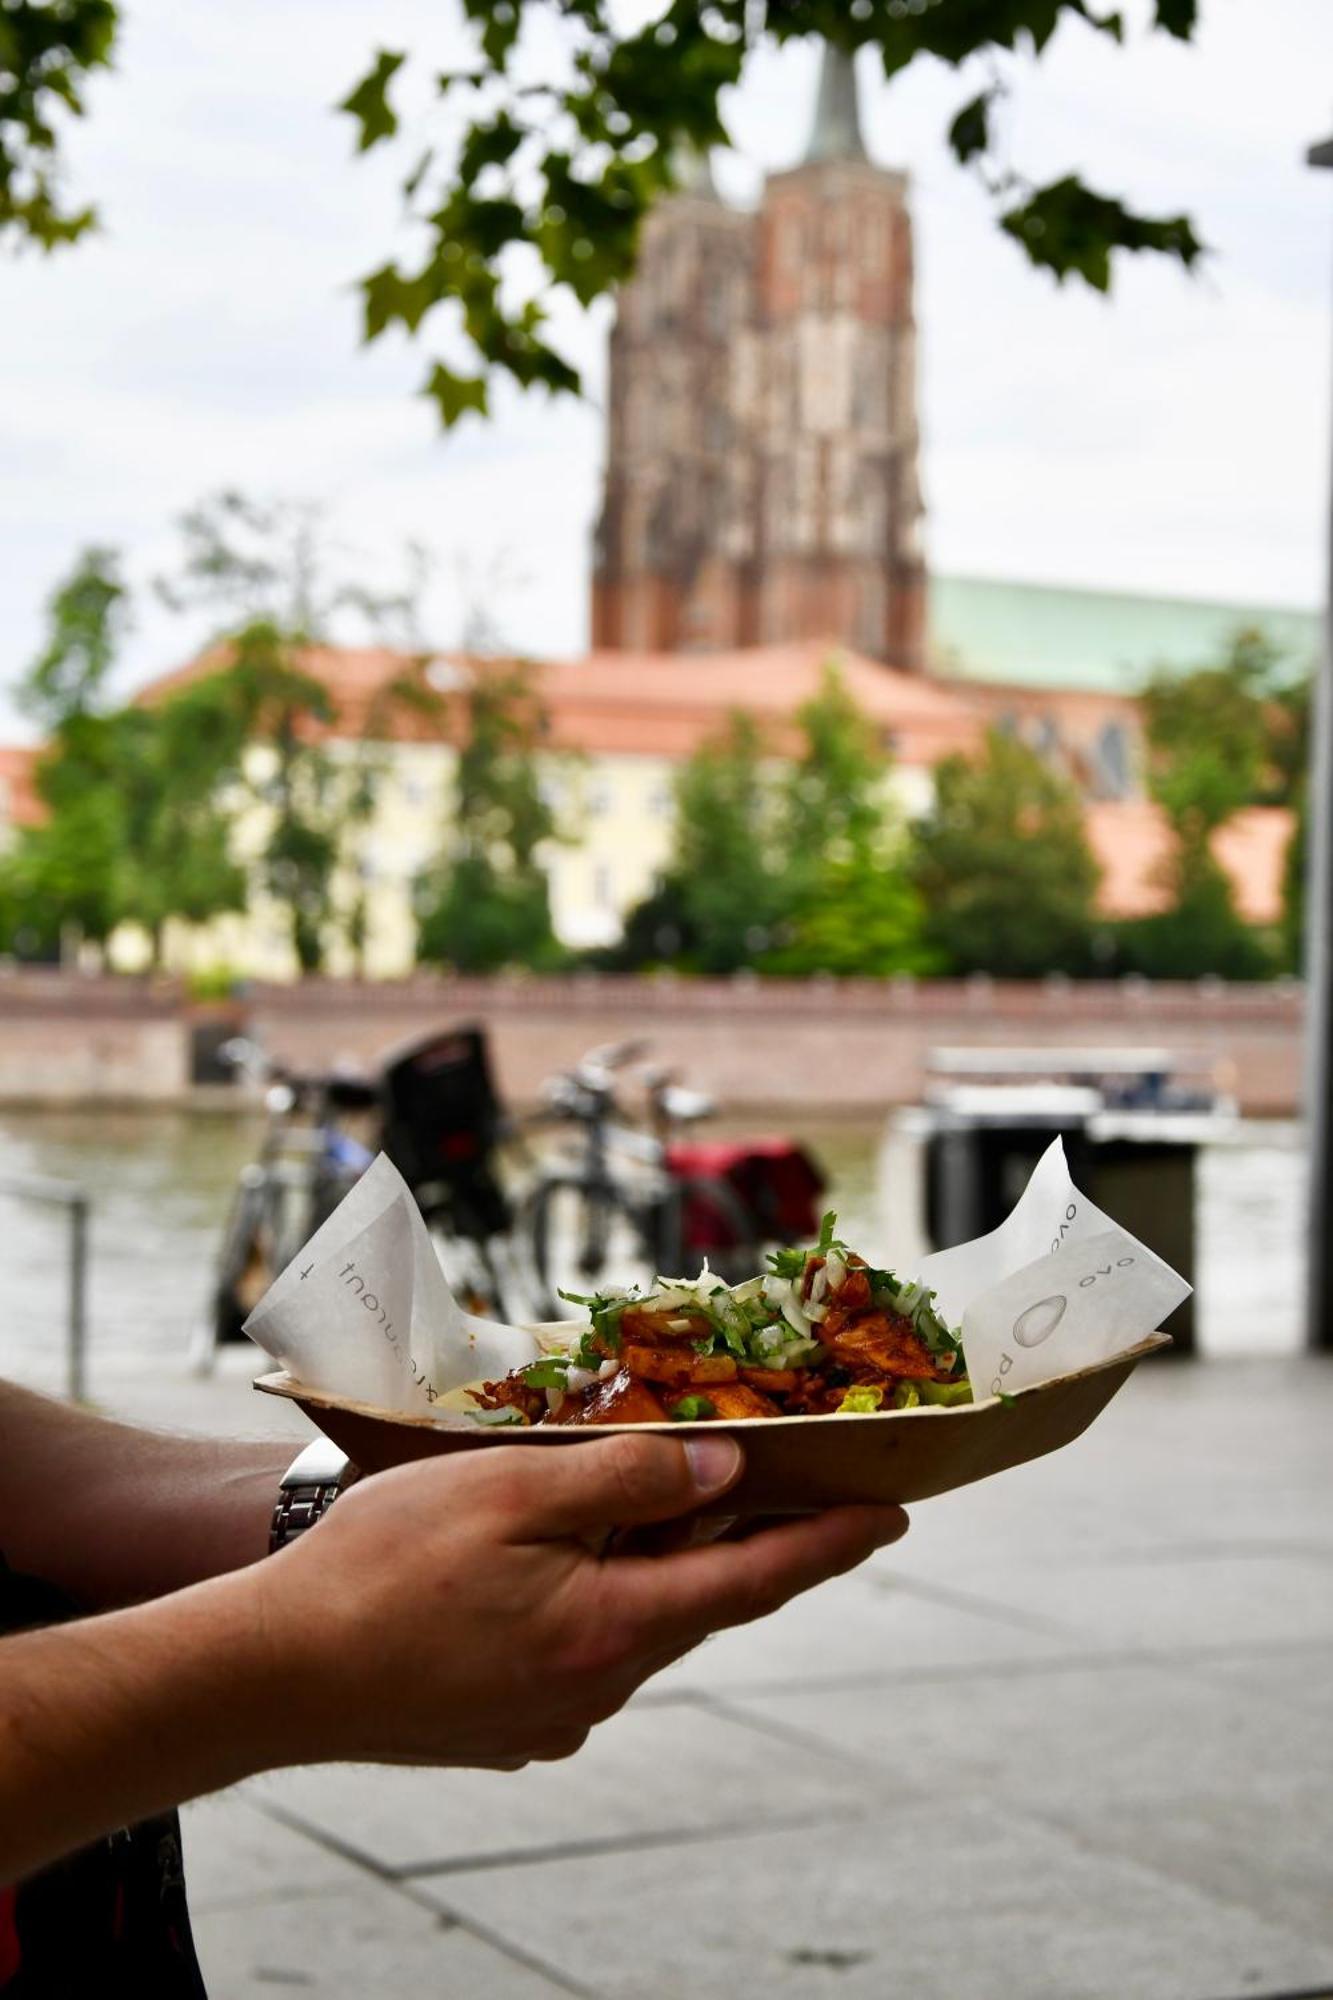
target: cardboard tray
<point>792,1464</point>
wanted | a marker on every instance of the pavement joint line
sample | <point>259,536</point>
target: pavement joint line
<point>1082,1662</point>
<point>516,1953</point>
<point>963,1600</point>
<point>1321,1552</point>
<point>791,1734</point>
<point>622,1843</point>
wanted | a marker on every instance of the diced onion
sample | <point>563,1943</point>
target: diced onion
<point>678,1325</point>
<point>834,1270</point>
<point>819,1284</point>
<point>555,1401</point>
<point>579,1379</point>
<point>817,1312</point>
<point>607,1370</point>
<point>794,1316</point>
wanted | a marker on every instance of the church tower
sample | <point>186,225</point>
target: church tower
<point>661,579</point>
<point>762,457</point>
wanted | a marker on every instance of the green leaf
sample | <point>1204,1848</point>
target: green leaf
<point>1071,230</point>
<point>862,1402</point>
<point>1178,18</point>
<point>969,135</point>
<point>548,1373</point>
<point>369,102</point>
<point>454,395</point>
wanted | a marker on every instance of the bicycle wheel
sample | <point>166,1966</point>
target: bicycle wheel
<point>248,1259</point>
<point>577,1236</point>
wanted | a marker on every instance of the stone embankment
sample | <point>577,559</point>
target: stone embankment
<point>844,1047</point>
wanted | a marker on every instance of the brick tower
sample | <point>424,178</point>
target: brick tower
<point>761,480</point>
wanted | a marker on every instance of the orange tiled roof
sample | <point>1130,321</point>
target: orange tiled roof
<point>1132,840</point>
<point>658,704</point>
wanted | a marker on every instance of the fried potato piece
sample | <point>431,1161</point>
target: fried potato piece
<point>738,1399</point>
<point>853,1294</point>
<point>619,1400</point>
<point>881,1341</point>
<point>652,1328</point>
<point>773,1381</point>
<point>678,1365</point>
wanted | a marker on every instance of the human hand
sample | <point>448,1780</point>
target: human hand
<point>453,1611</point>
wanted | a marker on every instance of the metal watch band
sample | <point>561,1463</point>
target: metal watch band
<point>308,1488</point>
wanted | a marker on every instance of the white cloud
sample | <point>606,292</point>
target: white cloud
<point>1175,438</point>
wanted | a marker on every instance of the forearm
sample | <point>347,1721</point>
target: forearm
<point>107,1720</point>
<point>113,1515</point>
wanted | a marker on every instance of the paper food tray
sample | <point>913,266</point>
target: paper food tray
<point>792,1464</point>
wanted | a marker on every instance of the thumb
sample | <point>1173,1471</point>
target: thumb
<point>620,1482</point>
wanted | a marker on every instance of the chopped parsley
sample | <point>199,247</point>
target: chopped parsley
<point>690,1409</point>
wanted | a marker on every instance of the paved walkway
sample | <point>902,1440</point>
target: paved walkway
<point>1071,1740</point>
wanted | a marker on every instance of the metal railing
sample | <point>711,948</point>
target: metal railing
<point>73,1198</point>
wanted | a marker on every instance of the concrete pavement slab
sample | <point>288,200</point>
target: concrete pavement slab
<point>1202,1780</point>
<point>666,1773</point>
<point>363,1939</point>
<point>935,1901</point>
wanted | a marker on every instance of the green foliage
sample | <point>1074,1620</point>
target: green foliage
<point>48,49</point>
<point>793,869</point>
<point>86,616</point>
<point>1004,865</point>
<point>1212,739</point>
<point>568,168</point>
<point>1229,735</point>
<point>133,830</point>
<point>267,569</point>
<point>485,903</point>
<point>1201,935</point>
<point>853,908</point>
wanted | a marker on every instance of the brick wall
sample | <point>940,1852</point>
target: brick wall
<point>66,1039</point>
<point>849,1047</point>
<point>846,1047</point>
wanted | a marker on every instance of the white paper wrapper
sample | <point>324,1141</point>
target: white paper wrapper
<point>1057,1287</point>
<point>364,1312</point>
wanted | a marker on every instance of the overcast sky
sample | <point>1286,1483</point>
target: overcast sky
<point>1174,439</point>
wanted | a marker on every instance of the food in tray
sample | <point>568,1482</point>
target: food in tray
<point>820,1333</point>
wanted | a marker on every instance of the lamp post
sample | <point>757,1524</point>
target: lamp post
<point>1319,963</point>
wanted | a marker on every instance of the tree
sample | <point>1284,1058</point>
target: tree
<point>48,50</point>
<point>485,903</point>
<point>854,907</point>
<point>1003,862</point>
<point>567,167</point>
<point>133,830</point>
<point>724,891</point>
<point>1228,735</point>
<point>267,568</point>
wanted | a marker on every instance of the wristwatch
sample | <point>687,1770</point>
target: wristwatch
<point>307,1489</point>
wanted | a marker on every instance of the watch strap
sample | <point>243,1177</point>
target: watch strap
<point>306,1491</point>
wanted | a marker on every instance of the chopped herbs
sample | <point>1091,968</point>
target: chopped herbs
<point>548,1373</point>
<point>690,1409</point>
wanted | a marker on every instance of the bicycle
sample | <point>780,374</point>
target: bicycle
<point>308,1160</point>
<point>632,1204</point>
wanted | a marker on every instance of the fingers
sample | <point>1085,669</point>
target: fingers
<point>677,1600</point>
<point>616,1482</point>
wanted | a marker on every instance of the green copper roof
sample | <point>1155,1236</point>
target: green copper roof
<point>837,128</point>
<point>1046,635</point>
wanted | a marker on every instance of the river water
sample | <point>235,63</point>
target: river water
<point>160,1184</point>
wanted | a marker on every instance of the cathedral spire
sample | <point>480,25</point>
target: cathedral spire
<point>837,127</point>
